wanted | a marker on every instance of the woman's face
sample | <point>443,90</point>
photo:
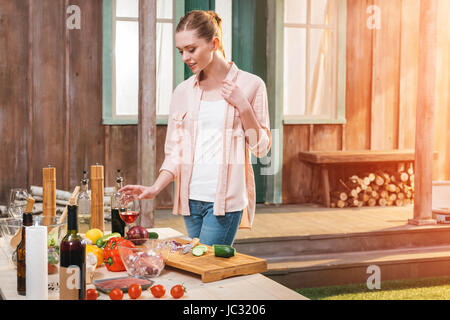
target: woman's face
<point>196,52</point>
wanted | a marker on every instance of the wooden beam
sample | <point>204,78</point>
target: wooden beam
<point>147,105</point>
<point>425,114</point>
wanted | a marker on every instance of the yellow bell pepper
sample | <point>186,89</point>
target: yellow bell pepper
<point>97,252</point>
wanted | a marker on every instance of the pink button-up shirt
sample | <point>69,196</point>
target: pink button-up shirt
<point>236,183</point>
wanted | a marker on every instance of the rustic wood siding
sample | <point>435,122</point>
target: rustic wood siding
<point>381,95</point>
<point>51,99</point>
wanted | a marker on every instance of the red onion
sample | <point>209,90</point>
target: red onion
<point>137,234</point>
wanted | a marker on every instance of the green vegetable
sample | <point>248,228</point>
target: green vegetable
<point>153,235</point>
<point>223,251</point>
<point>198,251</point>
<point>104,240</point>
<point>203,247</point>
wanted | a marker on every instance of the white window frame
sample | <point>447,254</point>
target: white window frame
<point>340,59</point>
<point>110,116</point>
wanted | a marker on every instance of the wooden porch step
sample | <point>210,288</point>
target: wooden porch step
<point>351,267</point>
<point>395,238</point>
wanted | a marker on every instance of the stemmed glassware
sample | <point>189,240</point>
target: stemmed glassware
<point>130,209</point>
<point>17,202</point>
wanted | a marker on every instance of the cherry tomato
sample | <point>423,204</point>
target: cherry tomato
<point>177,291</point>
<point>158,291</point>
<point>116,294</point>
<point>135,291</point>
<point>91,294</point>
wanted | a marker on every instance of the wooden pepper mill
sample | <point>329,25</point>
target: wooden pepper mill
<point>49,195</point>
<point>97,197</point>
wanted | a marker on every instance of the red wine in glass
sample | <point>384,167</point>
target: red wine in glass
<point>129,216</point>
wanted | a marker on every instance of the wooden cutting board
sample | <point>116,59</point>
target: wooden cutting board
<point>212,268</point>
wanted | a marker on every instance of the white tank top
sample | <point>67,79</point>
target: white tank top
<point>208,151</point>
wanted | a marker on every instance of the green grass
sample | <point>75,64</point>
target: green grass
<point>414,289</point>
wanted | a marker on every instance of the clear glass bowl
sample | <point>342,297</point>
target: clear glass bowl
<point>56,231</point>
<point>145,260</point>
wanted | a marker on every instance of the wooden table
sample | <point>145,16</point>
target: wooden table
<point>250,287</point>
<point>324,159</point>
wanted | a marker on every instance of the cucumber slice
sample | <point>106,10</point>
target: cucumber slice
<point>205,248</point>
<point>198,251</point>
<point>224,251</point>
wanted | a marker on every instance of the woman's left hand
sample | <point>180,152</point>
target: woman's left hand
<point>233,95</point>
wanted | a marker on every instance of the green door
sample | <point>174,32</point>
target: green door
<point>249,52</point>
<point>190,5</point>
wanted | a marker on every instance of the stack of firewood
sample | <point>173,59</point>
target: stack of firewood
<point>378,188</point>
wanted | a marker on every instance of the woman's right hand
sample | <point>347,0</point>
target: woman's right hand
<point>142,192</point>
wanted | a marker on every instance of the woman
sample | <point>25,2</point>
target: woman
<point>216,118</point>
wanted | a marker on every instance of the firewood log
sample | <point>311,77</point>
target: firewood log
<point>354,193</point>
<point>399,203</point>
<point>384,194</point>
<point>375,195</point>
<point>372,202</point>
<point>371,176</point>
<point>402,176</point>
<point>410,170</point>
<point>391,187</point>
<point>366,181</point>
<point>392,197</point>
<point>379,181</point>
<point>382,202</point>
<point>364,197</point>
<point>341,195</point>
<point>344,185</point>
<point>341,204</point>
<point>353,202</point>
<point>385,176</point>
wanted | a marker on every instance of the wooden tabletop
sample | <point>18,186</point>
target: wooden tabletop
<point>250,287</point>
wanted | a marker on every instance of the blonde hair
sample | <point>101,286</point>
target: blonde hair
<point>208,25</point>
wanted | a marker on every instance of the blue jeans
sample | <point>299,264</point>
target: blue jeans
<point>211,229</point>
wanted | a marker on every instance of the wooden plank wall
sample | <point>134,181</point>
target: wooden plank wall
<point>51,99</point>
<point>381,95</point>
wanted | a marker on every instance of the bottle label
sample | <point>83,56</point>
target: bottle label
<point>69,283</point>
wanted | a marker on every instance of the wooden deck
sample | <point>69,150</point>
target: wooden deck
<point>311,219</point>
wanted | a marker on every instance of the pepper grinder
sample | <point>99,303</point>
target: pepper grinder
<point>97,197</point>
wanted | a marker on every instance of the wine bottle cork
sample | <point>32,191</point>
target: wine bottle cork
<point>49,194</point>
<point>97,197</point>
<point>30,204</point>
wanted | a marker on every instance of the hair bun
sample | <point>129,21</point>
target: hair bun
<point>215,16</point>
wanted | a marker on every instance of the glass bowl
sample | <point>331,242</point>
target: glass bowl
<point>146,259</point>
<point>56,231</point>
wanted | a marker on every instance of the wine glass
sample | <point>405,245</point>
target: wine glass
<point>130,209</point>
<point>17,202</point>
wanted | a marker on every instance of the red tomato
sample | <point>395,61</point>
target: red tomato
<point>158,291</point>
<point>116,294</point>
<point>177,291</point>
<point>135,291</point>
<point>91,294</point>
